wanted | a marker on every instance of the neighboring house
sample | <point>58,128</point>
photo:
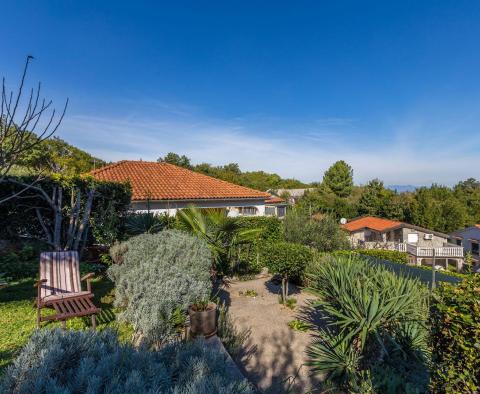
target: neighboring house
<point>469,238</point>
<point>420,243</point>
<point>275,206</point>
<point>165,188</point>
<point>292,195</point>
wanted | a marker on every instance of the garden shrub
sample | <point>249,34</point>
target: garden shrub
<point>20,264</point>
<point>323,234</point>
<point>376,335</point>
<point>161,275</point>
<point>287,259</point>
<point>455,337</point>
<point>62,361</point>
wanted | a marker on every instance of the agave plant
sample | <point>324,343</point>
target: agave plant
<point>146,222</point>
<point>223,234</point>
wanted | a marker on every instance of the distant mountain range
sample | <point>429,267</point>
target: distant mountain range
<point>403,188</point>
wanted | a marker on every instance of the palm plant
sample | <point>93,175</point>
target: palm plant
<point>224,235</point>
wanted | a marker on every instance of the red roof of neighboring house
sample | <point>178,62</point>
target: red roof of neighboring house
<point>371,222</point>
<point>274,200</point>
<point>163,181</point>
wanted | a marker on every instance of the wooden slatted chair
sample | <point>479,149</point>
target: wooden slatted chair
<point>60,288</point>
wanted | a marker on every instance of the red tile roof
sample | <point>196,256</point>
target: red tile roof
<point>274,200</point>
<point>163,181</point>
<point>370,222</point>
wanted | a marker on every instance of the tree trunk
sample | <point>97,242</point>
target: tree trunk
<point>57,232</point>
<point>86,217</point>
<point>284,289</point>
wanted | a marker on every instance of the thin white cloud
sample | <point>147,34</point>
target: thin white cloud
<point>412,154</point>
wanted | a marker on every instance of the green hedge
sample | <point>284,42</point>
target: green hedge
<point>455,337</point>
<point>285,258</point>
<point>390,255</point>
<point>272,226</point>
<point>110,206</point>
<point>20,264</point>
<point>250,254</point>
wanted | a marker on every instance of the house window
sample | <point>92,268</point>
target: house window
<point>475,247</point>
<point>412,238</point>
<point>270,211</point>
<point>247,211</point>
<point>281,212</point>
<point>459,242</point>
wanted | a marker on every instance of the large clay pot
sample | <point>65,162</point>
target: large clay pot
<point>203,322</point>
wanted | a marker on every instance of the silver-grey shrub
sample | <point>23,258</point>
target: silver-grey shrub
<point>161,274</point>
<point>66,362</point>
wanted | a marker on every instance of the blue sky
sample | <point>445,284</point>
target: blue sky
<point>393,88</point>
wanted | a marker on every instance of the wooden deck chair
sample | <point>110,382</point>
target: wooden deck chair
<point>60,288</point>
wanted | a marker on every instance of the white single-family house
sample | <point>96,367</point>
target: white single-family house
<point>166,188</point>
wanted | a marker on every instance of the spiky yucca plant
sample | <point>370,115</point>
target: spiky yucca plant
<point>374,317</point>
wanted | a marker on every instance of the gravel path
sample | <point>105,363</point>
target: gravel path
<point>273,354</point>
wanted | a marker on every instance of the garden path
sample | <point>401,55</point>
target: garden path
<point>273,357</point>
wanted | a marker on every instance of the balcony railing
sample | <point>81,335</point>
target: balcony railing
<point>419,251</point>
<point>445,251</point>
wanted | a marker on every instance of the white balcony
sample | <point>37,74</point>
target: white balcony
<point>445,251</point>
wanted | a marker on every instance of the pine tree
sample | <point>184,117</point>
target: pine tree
<point>372,199</point>
<point>339,179</point>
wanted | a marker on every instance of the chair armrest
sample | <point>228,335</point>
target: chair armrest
<point>38,283</point>
<point>88,276</point>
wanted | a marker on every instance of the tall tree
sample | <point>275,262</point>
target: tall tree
<point>176,159</point>
<point>373,199</point>
<point>18,134</point>
<point>339,179</point>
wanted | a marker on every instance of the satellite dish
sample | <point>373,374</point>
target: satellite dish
<point>343,221</point>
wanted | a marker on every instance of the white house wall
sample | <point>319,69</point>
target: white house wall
<point>171,207</point>
<point>466,236</point>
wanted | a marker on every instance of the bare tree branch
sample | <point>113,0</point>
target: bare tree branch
<point>17,132</point>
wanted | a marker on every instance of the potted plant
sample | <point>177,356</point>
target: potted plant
<point>203,318</point>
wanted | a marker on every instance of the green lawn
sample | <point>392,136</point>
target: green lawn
<point>18,315</point>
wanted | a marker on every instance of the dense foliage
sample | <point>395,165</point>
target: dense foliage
<point>62,361</point>
<point>19,215</point>
<point>224,235</point>
<point>455,337</point>
<point>20,264</point>
<point>160,275</point>
<point>381,254</point>
<point>376,336</point>
<point>258,180</point>
<point>57,156</point>
<point>437,207</point>
<point>270,230</point>
<point>323,234</point>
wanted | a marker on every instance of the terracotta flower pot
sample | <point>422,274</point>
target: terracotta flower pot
<point>203,322</point>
